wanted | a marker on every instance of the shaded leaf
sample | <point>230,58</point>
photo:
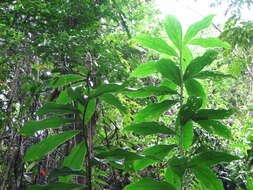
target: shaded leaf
<point>90,109</point>
<point>106,88</point>
<point>54,186</point>
<point>172,178</point>
<point>155,43</point>
<point>113,100</point>
<point>187,135</point>
<point>64,80</point>
<point>212,75</point>
<point>50,123</point>
<point>65,171</point>
<point>63,98</point>
<point>39,150</point>
<point>207,114</point>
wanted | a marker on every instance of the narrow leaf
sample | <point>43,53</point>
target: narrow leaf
<point>91,108</point>
<point>39,150</point>
<point>64,172</point>
<point>153,111</point>
<point>210,42</point>
<point>54,186</point>
<point>169,70</point>
<point>207,114</point>
<point>187,135</point>
<point>64,80</point>
<point>106,88</point>
<point>144,70</point>
<point>113,100</point>
<point>149,128</point>
<point>50,123</point>
<point>212,75</point>
<point>155,43</point>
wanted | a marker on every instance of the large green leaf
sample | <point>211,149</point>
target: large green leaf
<point>153,111</point>
<point>172,178</point>
<point>119,154</point>
<point>65,171</point>
<point>63,98</point>
<point>210,158</point>
<point>64,80</point>
<point>106,88</point>
<point>149,128</point>
<point>207,178</point>
<point>54,108</point>
<point>149,91</point>
<point>215,127</point>
<point>113,100</point>
<point>196,27</point>
<point>187,135</point>
<point>212,75</point>
<point>90,109</point>
<point>194,88</point>
<point>39,150</point>
<point>207,114</point>
<point>50,123</point>
<point>55,186</point>
<point>199,63</point>
<point>155,153</point>
<point>76,157</point>
<point>178,166</point>
<point>169,70</point>
<point>210,42</point>
<point>186,57</point>
<point>174,30</point>
<point>144,70</point>
<point>149,184</point>
<point>155,43</point>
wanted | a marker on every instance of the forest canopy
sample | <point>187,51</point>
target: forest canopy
<point>115,94</point>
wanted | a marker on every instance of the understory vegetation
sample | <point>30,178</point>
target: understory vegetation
<point>109,95</point>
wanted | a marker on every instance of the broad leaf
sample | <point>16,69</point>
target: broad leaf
<point>210,42</point>
<point>178,166</point>
<point>155,43</point>
<point>215,127</point>
<point>106,88</point>
<point>186,57</point>
<point>90,109</point>
<point>172,178</point>
<point>113,100</point>
<point>155,153</point>
<point>65,171</point>
<point>149,128</point>
<point>187,135</point>
<point>54,108</point>
<point>194,88</point>
<point>39,150</point>
<point>54,186</point>
<point>50,123</point>
<point>149,184</point>
<point>65,80</point>
<point>207,178</point>
<point>210,158</point>
<point>149,91</point>
<point>119,154</point>
<point>63,98</point>
<point>174,30</point>
<point>76,157</point>
<point>144,70</point>
<point>199,63</point>
<point>207,114</point>
<point>195,28</point>
<point>169,70</point>
<point>153,111</point>
<point>212,75</point>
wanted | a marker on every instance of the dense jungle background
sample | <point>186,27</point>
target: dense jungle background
<point>110,95</point>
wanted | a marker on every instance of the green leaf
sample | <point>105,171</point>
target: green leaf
<point>65,80</point>
<point>39,150</point>
<point>212,75</point>
<point>65,171</point>
<point>76,157</point>
<point>113,100</point>
<point>210,158</point>
<point>50,123</point>
<point>106,88</point>
<point>187,135</point>
<point>144,70</point>
<point>54,108</point>
<point>186,57</point>
<point>178,166</point>
<point>210,42</point>
<point>90,109</point>
<point>155,43</point>
<point>174,30</point>
<point>172,178</point>
<point>149,128</point>
<point>215,127</point>
<point>207,178</point>
<point>63,98</point>
<point>195,28</point>
<point>194,88</point>
<point>169,70</point>
<point>199,63</point>
<point>207,114</point>
<point>155,153</point>
<point>169,84</point>
<point>153,111</point>
<point>149,91</point>
<point>54,186</point>
<point>149,184</point>
<point>119,154</point>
